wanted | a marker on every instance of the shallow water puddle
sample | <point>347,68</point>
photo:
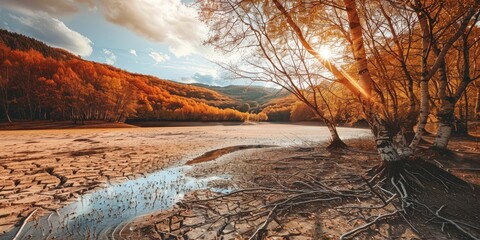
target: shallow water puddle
<point>214,154</point>
<point>97,215</point>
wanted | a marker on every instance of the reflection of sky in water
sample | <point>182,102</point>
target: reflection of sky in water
<point>96,215</point>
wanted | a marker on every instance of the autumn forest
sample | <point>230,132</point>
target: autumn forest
<point>240,119</point>
<point>41,83</point>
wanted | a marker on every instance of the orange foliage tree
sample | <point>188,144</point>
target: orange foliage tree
<point>38,87</point>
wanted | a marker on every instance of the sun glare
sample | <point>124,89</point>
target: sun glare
<point>325,52</point>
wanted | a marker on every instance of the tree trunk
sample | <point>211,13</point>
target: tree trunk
<point>386,148</point>
<point>466,112</point>
<point>460,123</point>
<point>359,53</point>
<point>5,104</point>
<point>424,112</point>
<point>336,142</point>
<point>408,131</point>
<point>381,130</point>
<point>4,95</point>
<point>7,115</point>
<point>477,105</point>
<point>425,95</point>
<point>446,119</point>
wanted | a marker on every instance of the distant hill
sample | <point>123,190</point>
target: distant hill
<point>21,42</point>
<point>253,95</point>
<point>41,82</point>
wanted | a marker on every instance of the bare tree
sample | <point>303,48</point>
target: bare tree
<point>431,37</point>
<point>287,65</point>
<point>447,93</point>
<point>295,25</point>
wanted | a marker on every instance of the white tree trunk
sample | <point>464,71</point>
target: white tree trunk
<point>386,148</point>
<point>424,112</point>
<point>443,136</point>
<point>446,119</point>
<point>425,95</point>
<point>336,141</point>
<point>444,133</point>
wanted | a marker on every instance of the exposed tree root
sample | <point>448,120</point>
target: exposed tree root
<point>450,221</point>
<point>399,186</point>
<point>388,194</point>
<point>406,181</point>
<point>355,231</point>
<point>302,190</point>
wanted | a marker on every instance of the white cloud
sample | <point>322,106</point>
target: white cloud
<point>110,58</point>
<point>54,32</point>
<point>170,22</point>
<point>158,57</point>
<point>165,21</point>
<point>54,7</point>
<point>133,52</point>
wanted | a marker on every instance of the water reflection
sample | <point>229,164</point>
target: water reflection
<point>96,215</point>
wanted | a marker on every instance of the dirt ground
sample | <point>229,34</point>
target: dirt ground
<point>297,190</point>
<point>48,169</point>
<point>310,193</point>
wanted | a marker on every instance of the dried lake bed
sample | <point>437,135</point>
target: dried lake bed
<point>51,169</point>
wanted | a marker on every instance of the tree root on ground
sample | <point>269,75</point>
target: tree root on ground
<point>396,193</point>
<point>405,183</point>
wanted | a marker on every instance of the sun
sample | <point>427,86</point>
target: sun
<point>325,52</point>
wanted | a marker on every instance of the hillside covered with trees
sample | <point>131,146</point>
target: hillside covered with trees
<point>254,96</point>
<point>38,82</point>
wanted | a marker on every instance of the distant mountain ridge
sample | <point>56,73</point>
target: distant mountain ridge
<point>248,94</point>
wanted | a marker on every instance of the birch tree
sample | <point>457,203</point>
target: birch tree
<point>430,40</point>
<point>298,24</point>
<point>380,124</point>
<point>464,72</point>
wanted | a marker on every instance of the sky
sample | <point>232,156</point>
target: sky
<point>163,38</point>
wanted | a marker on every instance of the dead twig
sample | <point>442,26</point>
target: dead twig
<point>375,191</point>
<point>264,224</point>
<point>437,213</point>
<point>24,223</point>
<point>357,230</point>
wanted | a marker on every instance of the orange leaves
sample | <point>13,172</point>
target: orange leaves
<point>81,90</point>
<point>7,63</point>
